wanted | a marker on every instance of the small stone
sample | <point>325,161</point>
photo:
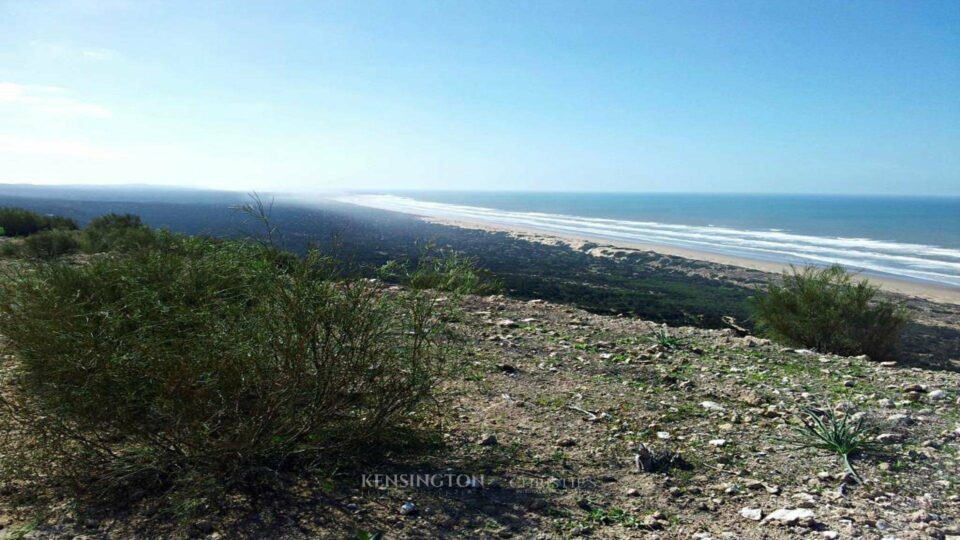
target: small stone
<point>755,514</point>
<point>937,394</point>
<point>567,442</point>
<point>632,492</point>
<point>643,459</point>
<point>652,523</point>
<point>920,516</point>
<point>888,438</point>
<point>712,406</point>
<point>899,419</point>
<point>831,535</point>
<point>202,527</point>
<point>842,490</point>
<point>663,435</point>
<point>717,442</point>
<point>408,509</point>
<point>488,440</point>
<point>507,323</point>
<point>786,516</point>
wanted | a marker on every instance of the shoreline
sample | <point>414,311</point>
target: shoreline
<point>927,291</point>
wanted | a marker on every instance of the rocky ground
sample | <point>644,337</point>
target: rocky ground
<point>558,423</point>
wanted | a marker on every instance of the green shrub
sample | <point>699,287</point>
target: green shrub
<point>21,222</point>
<point>49,244</point>
<point>824,309</point>
<point>9,249</point>
<point>449,271</point>
<point>204,363</point>
<point>116,232</point>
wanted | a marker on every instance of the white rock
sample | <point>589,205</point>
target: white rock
<point>756,514</point>
<point>663,435</point>
<point>717,442</point>
<point>937,394</point>
<point>408,508</point>
<point>831,535</point>
<point>888,437</point>
<point>712,406</point>
<point>797,516</point>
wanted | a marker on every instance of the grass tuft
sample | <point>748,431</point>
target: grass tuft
<point>834,433</point>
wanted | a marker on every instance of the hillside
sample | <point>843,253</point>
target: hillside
<point>549,405</point>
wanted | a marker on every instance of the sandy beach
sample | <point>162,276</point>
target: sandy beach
<point>607,247</point>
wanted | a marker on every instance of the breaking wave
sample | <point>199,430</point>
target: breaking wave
<point>915,261</point>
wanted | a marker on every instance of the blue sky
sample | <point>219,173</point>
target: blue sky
<point>782,96</point>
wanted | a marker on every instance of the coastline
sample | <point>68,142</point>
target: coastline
<point>605,247</point>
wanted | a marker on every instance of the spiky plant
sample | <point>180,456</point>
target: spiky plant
<point>665,340</point>
<point>838,434</point>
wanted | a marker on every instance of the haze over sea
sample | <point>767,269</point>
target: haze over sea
<point>916,238</point>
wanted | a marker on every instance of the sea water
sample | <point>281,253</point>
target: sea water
<point>909,237</point>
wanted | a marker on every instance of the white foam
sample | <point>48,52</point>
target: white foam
<point>916,261</point>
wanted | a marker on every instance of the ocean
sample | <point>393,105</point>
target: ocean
<point>916,238</point>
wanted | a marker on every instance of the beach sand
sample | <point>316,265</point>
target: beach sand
<point>607,247</point>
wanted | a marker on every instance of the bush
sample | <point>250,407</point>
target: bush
<point>115,232</point>
<point>824,309</point>
<point>449,272</point>
<point>49,244</point>
<point>21,222</point>
<point>204,363</point>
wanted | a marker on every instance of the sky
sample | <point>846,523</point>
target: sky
<point>676,96</point>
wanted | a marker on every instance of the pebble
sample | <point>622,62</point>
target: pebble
<point>567,443</point>
<point>718,442</point>
<point>786,516</point>
<point>899,419</point>
<point>663,435</point>
<point>408,509</point>
<point>888,438</point>
<point>712,406</point>
<point>488,440</point>
<point>937,394</point>
<point>756,514</point>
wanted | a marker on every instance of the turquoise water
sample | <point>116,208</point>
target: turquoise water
<point>909,237</point>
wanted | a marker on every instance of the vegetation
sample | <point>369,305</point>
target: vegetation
<point>447,271</point>
<point>826,430</point>
<point>665,340</point>
<point>203,363</point>
<point>49,244</point>
<point>116,232</point>
<point>20,222</point>
<point>826,310</point>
